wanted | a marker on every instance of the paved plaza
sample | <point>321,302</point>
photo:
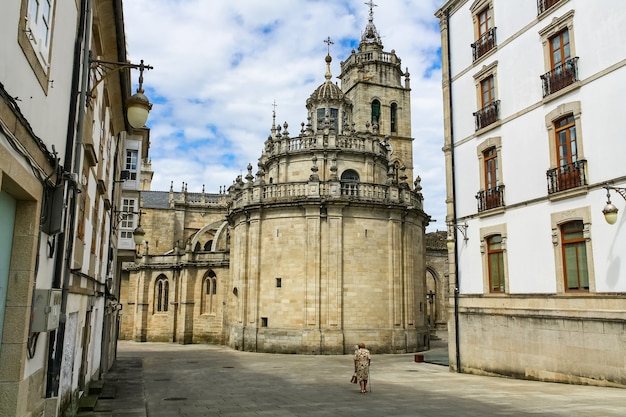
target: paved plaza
<point>159,380</point>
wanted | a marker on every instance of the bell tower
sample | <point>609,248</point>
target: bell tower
<point>372,79</point>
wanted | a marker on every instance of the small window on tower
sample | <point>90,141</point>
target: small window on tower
<point>279,282</point>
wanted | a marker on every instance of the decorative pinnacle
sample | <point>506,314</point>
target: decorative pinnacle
<point>329,59</point>
<point>372,5</point>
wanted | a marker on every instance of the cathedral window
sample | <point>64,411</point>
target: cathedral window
<point>394,117</point>
<point>209,293</point>
<point>207,246</point>
<point>161,294</point>
<point>375,112</point>
<point>333,117</point>
<point>350,183</point>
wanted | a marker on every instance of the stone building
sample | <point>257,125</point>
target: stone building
<point>318,249</point>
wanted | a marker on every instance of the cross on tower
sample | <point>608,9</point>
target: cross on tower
<point>372,5</point>
<point>329,42</point>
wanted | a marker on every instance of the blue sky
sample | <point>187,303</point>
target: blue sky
<point>220,65</point>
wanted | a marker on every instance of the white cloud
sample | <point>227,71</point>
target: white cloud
<point>219,66</point>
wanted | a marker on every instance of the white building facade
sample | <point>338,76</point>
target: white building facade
<point>62,131</point>
<point>532,93</point>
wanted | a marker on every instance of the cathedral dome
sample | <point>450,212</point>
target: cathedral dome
<point>327,91</point>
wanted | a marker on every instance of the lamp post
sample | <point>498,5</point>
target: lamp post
<point>610,211</point>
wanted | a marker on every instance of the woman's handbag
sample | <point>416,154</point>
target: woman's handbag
<point>353,380</point>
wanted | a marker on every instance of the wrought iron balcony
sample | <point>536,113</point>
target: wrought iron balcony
<point>560,77</point>
<point>484,44</point>
<point>490,198</point>
<point>567,176</point>
<point>543,5</point>
<point>487,115</point>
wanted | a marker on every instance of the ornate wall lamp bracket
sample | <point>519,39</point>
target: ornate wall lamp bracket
<point>138,105</point>
<point>610,211</point>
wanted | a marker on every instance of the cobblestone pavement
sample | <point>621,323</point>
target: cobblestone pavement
<point>158,380</point>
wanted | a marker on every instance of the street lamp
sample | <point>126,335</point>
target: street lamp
<point>461,228</point>
<point>137,106</point>
<point>610,211</point>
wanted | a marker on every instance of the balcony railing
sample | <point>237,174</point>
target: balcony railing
<point>543,5</point>
<point>567,176</point>
<point>484,44</point>
<point>560,77</point>
<point>491,198</point>
<point>487,115</point>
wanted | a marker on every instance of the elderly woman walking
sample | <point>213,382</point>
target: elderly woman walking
<point>362,361</point>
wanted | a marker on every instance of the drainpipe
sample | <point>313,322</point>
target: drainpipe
<point>456,263</point>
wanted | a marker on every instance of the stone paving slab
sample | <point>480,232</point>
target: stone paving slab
<point>159,380</point>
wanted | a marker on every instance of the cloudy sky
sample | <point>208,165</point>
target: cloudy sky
<point>219,65</point>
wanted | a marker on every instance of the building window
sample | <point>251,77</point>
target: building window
<point>209,293</point>
<point>333,118</point>
<point>491,194</point>
<point>39,27</point>
<point>161,294</point>
<point>569,169</point>
<point>127,223</point>
<point>376,113</point>
<point>574,256</point>
<point>543,5</point>
<point>279,282</point>
<point>394,117</point>
<point>34,37</point>
<point>495,257</point>
<point>263,321</point>
<point>484,30</point>
<point>561,64</point>
<point>573,252</point>
<point>131,164</point>
<point>350,183</point>
<point>486,89</point>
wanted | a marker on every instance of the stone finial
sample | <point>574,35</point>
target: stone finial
<point>249,176</point>
<point>314,176</point>
<point>418,184</point>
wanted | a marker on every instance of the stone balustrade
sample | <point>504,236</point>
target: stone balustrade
<point>256,193</point>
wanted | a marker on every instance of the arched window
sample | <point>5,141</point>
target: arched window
<point>209,293</point>
<point>350,183</point>
<point>375,112</point>
<point>197,247</point>
<point>161,294</point>
<point>394,117</point>
<point>207,246</point>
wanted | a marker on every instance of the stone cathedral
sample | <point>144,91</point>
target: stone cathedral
<point>318,247</point>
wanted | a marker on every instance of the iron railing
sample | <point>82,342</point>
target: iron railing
<point>566,177</point>
<point>543,5</point>
<point>560,77</point>
<point>487,115</point>
<point>484,44</point>
<point>490,198</point>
